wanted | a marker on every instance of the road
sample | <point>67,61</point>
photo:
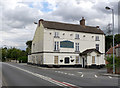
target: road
<point>14,74</point>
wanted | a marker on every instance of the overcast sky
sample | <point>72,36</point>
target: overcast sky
<point>17,16</point>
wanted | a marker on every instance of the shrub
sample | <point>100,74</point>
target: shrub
<point>23,59</point>
<point>110,62</point>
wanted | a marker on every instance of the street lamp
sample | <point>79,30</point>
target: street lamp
<point>108,8</point>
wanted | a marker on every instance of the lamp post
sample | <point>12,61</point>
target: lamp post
<point>108,8</point>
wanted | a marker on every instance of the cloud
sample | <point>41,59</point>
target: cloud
<point>18,16</point>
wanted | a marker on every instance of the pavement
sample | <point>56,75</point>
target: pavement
<point>14,74</point>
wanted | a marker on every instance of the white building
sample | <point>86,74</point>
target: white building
<point>59,44</point>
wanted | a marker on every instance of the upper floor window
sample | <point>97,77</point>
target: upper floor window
<point>97,47</point>
<point>97,38</point>
<point>71,34</point>
<point>76,36</point>
<point>76,46</point>
<point>56,46</point>
<point>56,35</point>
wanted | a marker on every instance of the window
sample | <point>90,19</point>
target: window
<point>93,59</point>
<point>97,38</point>
<point>77,59</point>
<point>71,34</point>
<point>76,36</point>
<point>76,46</point>
<point>56,46</point>
<point>55,59</point>
<point>97,47</point>
<point>56,35</point>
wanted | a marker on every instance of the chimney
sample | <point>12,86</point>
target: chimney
<point>40,21</point>
<point>97,27</point>
<point>82,22</point>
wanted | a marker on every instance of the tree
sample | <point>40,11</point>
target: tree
<point>109,41</point>
<point>117,39</point>
<point>22,59</point>
<point>29,45</point>
<point>4,54</point>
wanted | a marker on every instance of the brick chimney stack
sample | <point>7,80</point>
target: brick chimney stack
<point>82,22</point>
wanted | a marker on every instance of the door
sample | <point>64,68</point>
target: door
<point>83,65</point>
<point>93,59</point>
<point>67,60</point>
<point>56,60</point>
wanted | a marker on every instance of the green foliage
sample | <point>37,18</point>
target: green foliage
<point>117,39</point>
<point>109,41</point>
<point>4,53</point>
<point>29,45</point>
<point>110,62</point>
<point>22,59</point>
<point>12,54</point>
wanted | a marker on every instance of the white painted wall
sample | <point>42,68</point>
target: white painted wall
<point>98,59</point>
<point>49,58</point>
<point>85,42</point>
<point>44,42</point>
<point>35,58</point>
<point>37,43</point>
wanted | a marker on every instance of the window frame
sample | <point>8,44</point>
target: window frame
<point>56,46</point>
<point>77,47</point>
<point>97,38</point>
<point>97,47</point>
<point>77,36</point>
<point>56,35</point>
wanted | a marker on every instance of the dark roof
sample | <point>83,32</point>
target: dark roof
<point>89,51</point>
<point>71,27</point>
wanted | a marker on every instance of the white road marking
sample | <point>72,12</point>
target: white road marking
<point>110,77</point>
<point>42,77</point>
<point>82,75</point>
<point>70,74</point>
<point>65,73</point>
<point>58,71</point>
<point>96,76</point>
<point>69,83</point>
<point>61,72</point>
<point>80,72</point>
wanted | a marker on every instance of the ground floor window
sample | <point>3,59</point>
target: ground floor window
<point>55,59</point>
<point>77,59</point>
